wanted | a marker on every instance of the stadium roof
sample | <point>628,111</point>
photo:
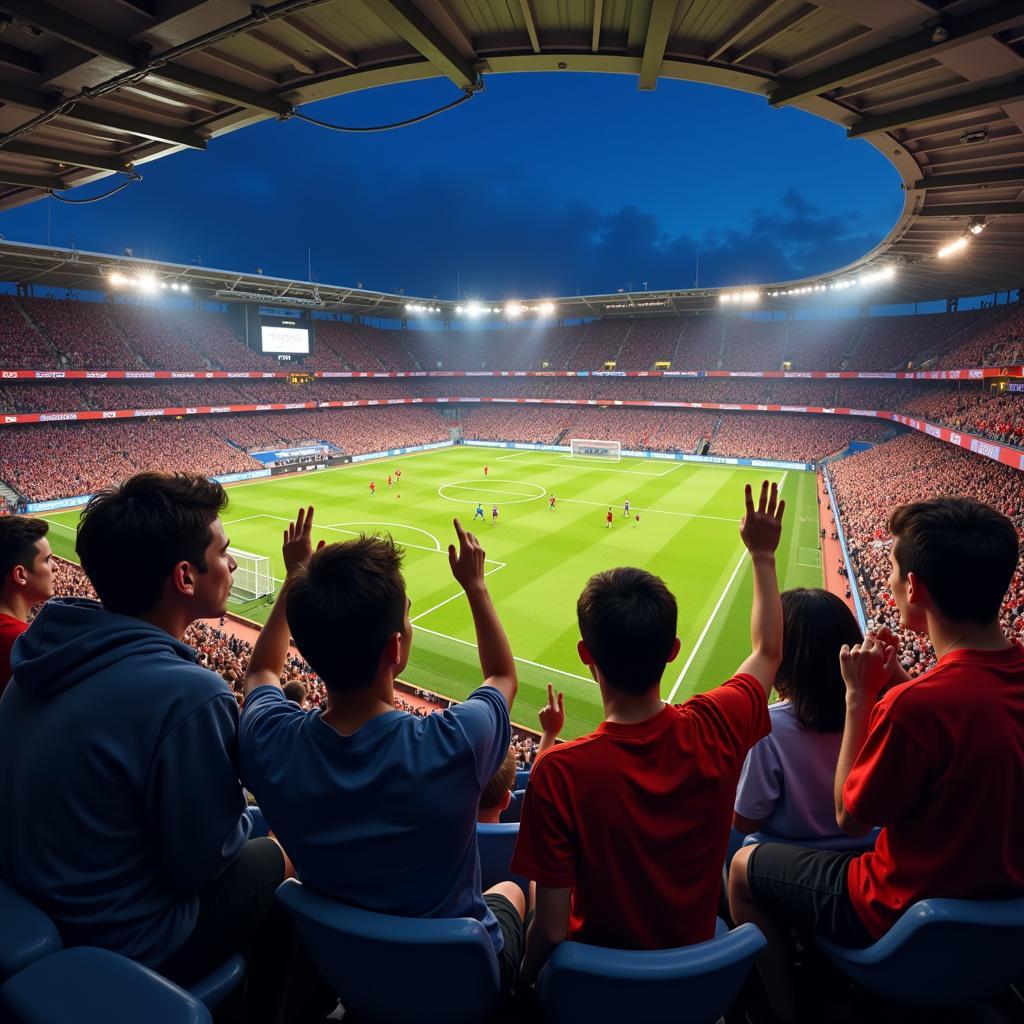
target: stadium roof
<point>93,88</point>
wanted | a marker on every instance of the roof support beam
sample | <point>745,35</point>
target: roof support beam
<point>136,126</point>
<point>73,30</point>
<point>405,18</point>
<point>995,209</point>
<point>798,17</point>
<point>68,158</point>
<point>595,31</point>
<point>991,19</point>
<point>742,27</point>
<point>221,88</point>
<point>986,96</point>
<point>305,28</point>
<point>970,178</point>
<point>656,41</point>
<point>32,180</point>
<point>15,58</point>
<point>531,24</point>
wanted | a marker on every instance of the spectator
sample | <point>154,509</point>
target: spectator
<point>610,818</point>
<point>142,847</point>
<point>26,578</point>
<point>364,792</point>
<point>921,762</point>
<point>786,785</point>
<point>497,794</point>
<point>295,691</point>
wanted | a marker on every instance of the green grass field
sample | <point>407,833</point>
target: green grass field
<point>538,559</point>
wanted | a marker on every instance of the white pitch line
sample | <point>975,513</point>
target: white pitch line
<point>525,661</point>
<point>514,455</point>
<point>441,604</point>
<point>245,519</point>
<point>711,617</point>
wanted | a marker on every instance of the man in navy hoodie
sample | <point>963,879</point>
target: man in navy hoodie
<point>122,812</point>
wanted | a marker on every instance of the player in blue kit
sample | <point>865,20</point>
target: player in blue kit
<point>479,513</point>
<point>625,509</point>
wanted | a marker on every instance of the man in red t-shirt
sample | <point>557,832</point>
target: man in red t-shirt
<point>26,578</point>
<point>937,761</point>
<point>625,830</point>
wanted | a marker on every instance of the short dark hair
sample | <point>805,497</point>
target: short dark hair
<point>815,625</point>
<point>18,538</point>
<point>131,536</point>
<point>294,690</point>
<point>627,619</point>
<point>964,551</point>
<point>343,606</point>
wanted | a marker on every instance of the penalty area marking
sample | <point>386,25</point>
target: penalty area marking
<point>483,488</point>
<point>525,661</point>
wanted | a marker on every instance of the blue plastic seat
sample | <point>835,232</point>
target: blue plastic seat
<point>87,984</point>
<point>514,811</point>
<point>260,828</point>
<point>26,933</point>
<point>941,953</point>
<point>496,844</point>
<point>522,778</point>
<point>690,985</point>
<point>373,960</point>
<point>856,844</point>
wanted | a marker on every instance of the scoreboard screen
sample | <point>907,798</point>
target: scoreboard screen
<point>284,337</point>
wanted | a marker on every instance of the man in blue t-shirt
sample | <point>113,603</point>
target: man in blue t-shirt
<point>376,807</point>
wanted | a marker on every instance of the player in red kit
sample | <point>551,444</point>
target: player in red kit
<point>551,503</point>
<point>389,479</point>
<point>608,519</point>
<point>373,487</point>
<point>485,470</point>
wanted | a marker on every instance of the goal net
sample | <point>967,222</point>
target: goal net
<point>589,449</point>
<point>252,578</point>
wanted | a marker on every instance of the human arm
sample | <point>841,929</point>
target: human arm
<point>271,649</point>
<point>761,531</point>
<point>496,661</point>
<point>549,927</point>
<point>866,668</point>
<point>552,718</point>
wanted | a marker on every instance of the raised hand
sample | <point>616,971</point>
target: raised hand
<point>887,638</point>
<point>297,546</point>
<point>761,527</point>
<point>867,668</point>
<point>468,563</point>
<point>552,715</point>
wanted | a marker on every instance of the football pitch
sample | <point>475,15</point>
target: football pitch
<point>538,559</point>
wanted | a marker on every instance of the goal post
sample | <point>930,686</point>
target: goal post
<point>252,578</point>
<point>606,451</point>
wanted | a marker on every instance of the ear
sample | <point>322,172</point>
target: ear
<point>183,579</point>
<point>585,656</point>
<point>19,576</point>
<point>674,653</point>
<point>393,649</point>
<point>507,800</point>
<point>917,592</point>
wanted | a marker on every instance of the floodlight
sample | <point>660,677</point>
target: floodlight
<point>474,309</point>
<point>147,282</point>
<point>117,279</point>
<point>513,309</point>
<point>184,287</point>
<point>953,247</point>
<point>458,309</point>
<point>977,226</point>
<point>546,308</point>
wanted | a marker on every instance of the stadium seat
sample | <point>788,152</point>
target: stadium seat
<point>496,844</point>
<point>29,935</point>
<point>372,960</point>
<point>87,984</point>
<point>940,953</point>
<point>854,843</point>
<point>26,935</point>
<point>260,828</point>
<point>690,985</point>
<point>522,778</point>
<point>514,811</point>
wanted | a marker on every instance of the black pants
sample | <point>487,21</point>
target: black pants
<point>238,914</point>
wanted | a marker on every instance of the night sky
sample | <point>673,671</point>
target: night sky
<point>542,185</point>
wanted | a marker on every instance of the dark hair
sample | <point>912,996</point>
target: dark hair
<point>815,624</point>
<point>501,783</point>
<point>131,536</point>
<point>344,605</point>
<point>627,619</point>
<point>295,691</point>
<point>964,551</point>
<point>18,538</point>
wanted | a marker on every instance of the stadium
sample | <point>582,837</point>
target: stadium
<point>734,816</point>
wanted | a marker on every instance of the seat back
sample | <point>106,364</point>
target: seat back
<point>27,933</point>
<point>373,960</point>
<point>690,985</point>
<point>514,811</point>
<point>522,777</point>
<point>941,952</point>
<point>496,844</point>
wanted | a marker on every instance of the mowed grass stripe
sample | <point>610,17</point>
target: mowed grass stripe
<point>548,555</point>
